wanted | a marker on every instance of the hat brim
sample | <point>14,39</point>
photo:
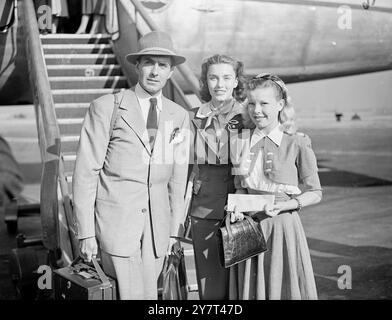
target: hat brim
<point>133,57</point>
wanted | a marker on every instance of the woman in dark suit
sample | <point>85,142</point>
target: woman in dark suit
<point>222,90</point>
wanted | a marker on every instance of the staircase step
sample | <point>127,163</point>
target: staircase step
<point>69,162</point>
<point>88,70</point>
<point>71,110</point>
<point>80,95</point>
<point>70,126</point>
<point>88,82</point>
<point>77,48</point>
<point>69,59</point>
<point>70,121</point>
<point>75,38</point>
<point>69,144</point>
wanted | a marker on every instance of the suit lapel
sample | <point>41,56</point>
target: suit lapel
<point>133,117</point>
<point>165,125</point>
<point>199,123</point>
<point>208,139</point>
<point>166,115</point>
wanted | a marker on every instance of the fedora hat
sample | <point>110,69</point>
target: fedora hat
<point>156,43</point>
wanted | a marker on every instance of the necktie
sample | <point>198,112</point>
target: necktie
<point>152,121</point>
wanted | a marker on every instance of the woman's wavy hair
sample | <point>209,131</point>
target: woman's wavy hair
<point>286,115</point>
<point>239,93</point>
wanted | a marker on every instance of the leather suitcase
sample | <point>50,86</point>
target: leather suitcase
<point>80,281</point>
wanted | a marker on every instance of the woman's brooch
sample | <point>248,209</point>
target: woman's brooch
<point>232,125</point>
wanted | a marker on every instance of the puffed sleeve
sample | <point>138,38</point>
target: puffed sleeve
<point>307,164</point>
<point>312,183</point>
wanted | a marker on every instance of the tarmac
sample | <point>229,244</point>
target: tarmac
<point>349,232</point>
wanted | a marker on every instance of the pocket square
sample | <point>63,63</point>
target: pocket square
<point>176,136</point>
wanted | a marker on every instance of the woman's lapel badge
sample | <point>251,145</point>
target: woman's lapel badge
<point>232,125</point>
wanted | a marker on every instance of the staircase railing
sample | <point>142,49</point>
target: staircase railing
<point>48,129</point>
<point>9,6</point>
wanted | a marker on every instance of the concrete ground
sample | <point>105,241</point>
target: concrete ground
<point>352,226</point>
<point>349,231</point>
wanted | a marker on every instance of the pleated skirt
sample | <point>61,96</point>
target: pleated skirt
<point>284,271</point>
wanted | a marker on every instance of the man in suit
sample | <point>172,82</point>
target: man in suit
<point>130,173</point>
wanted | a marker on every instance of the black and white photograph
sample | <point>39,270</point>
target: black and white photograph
<point>175,150</point>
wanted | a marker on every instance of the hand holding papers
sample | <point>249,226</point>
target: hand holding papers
<point>248,202</point>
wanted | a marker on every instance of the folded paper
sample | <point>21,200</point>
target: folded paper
<point>248,202</point>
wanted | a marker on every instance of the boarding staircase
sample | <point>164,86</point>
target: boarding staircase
<point>67,72</point>
<point>80,69</point>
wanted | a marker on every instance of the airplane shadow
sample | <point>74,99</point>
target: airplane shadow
<point>371,270</point>
<point>333,177</point>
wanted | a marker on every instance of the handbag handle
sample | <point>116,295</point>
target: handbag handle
<point>250,220</point>
<point>102,276</point>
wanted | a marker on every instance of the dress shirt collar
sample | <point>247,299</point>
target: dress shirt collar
<point>275,135</point>
<point>143,95</point>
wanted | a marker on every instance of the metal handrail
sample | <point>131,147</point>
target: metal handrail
<point>5,28</point>
<point>48,130</point>
<point>184,69</point>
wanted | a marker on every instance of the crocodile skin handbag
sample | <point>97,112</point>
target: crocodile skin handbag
<point>240,240</point>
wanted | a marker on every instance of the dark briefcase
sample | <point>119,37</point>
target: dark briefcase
<point>80,281</point>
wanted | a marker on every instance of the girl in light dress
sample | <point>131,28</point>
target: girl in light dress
<point>272,158</point>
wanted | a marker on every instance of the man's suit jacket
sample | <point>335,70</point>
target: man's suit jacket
<point>117,180</point>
